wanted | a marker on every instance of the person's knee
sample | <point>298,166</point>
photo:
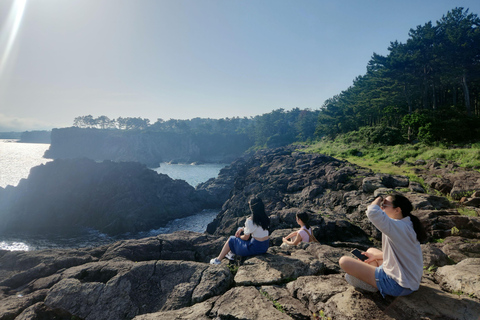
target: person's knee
<point>343,262</point>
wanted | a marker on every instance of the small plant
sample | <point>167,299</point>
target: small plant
<point>321,316</point>
<point>233,268</point>
<point>275,302</point>
<point>438,240</point>
<point>430,269</point>
<point>454,231</point>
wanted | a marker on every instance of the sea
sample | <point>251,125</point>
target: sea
<point>16,160</point>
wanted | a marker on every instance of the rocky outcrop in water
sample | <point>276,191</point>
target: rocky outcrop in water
<point>147,147</point>
<point>168,276</point>
<point>66,196</point>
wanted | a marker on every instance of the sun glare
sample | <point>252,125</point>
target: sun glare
<point>9,32</point>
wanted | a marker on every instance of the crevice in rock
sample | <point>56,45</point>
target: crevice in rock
<point>102,275</point>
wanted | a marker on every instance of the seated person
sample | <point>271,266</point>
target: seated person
<point>304,234</point>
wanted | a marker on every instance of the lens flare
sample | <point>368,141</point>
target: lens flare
<point>9,32</point>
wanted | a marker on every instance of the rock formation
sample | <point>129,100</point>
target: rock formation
<point>66,196</point>
<point>168,276</point>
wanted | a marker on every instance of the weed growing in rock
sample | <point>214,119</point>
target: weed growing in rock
<point>455,231</point>
<point>233,268</point>
<point>275,302</point>
<point>430,269</point>
<point>321,316</point>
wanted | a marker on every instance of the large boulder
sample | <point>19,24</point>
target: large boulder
<point>121,290</point>
<point>461,278</point>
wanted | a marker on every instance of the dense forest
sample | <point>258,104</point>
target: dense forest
<point>277,128</point>
<point>427,89</point>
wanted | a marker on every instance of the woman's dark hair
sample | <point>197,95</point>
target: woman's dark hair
<point>305,219</point>
<point>259,216</point>
<point>399,201</point>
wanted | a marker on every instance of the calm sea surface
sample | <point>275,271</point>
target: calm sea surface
<point>16,160</point>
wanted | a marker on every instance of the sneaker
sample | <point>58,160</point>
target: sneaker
<point>215,261</point>
<point>230,256</point>
<point>357,283</point>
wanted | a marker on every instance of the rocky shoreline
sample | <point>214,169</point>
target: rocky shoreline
<point>168,276</point>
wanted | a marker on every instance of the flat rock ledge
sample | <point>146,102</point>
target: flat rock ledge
<point>168,277</point>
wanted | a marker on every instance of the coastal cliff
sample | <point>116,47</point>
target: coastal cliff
<point>69,196</point>
<point>168,276</point>
<point>147,147</point>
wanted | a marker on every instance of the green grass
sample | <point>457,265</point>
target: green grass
<point>379,158</point>
<point>467,212</point>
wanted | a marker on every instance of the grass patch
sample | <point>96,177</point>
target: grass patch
<point>379,158</point>
<point>467,212</point>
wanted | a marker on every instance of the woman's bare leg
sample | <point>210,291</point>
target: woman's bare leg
<point>225,250</point>
<point>359,269</point>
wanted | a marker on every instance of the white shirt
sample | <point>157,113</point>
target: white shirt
<point>402,255</point>
<point>254,230</point>
<point>303,233</point>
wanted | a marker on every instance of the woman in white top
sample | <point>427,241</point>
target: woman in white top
<point>303,234</point>
<point>255,234</point>
<point>398,268</point>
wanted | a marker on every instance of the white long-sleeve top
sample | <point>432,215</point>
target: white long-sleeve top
<point>254,230</point>
<point>402,255</point>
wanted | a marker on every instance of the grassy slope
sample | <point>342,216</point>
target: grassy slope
<point>379,158</point>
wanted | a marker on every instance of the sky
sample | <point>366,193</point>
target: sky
<point>182,59</point>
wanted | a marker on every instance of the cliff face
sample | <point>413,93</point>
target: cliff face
<point>146,147</point>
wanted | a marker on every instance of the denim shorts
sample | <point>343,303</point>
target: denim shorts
<point>247,248</point>
<point>388,286</point>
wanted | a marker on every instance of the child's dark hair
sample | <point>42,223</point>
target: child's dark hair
<point>305,219</point>
<point>400,201</point>
<point>259,216</point>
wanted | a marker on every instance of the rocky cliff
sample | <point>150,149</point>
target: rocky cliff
<point>147,147</point>
<point>66,196</point>
<point>168,276</point>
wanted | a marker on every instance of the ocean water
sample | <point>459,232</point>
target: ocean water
<point>16,160</point>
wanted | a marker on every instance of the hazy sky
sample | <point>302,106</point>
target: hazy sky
<point>189,58</point>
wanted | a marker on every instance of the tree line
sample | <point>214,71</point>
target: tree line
<point>277,128</point>
<point>428,87</point>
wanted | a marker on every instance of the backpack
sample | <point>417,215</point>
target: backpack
<point>311,236</point>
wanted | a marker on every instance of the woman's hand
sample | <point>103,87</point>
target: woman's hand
<point>378,201</point>
<point>284,240</point>
<point>371,257</point>
<point>239,232</point>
